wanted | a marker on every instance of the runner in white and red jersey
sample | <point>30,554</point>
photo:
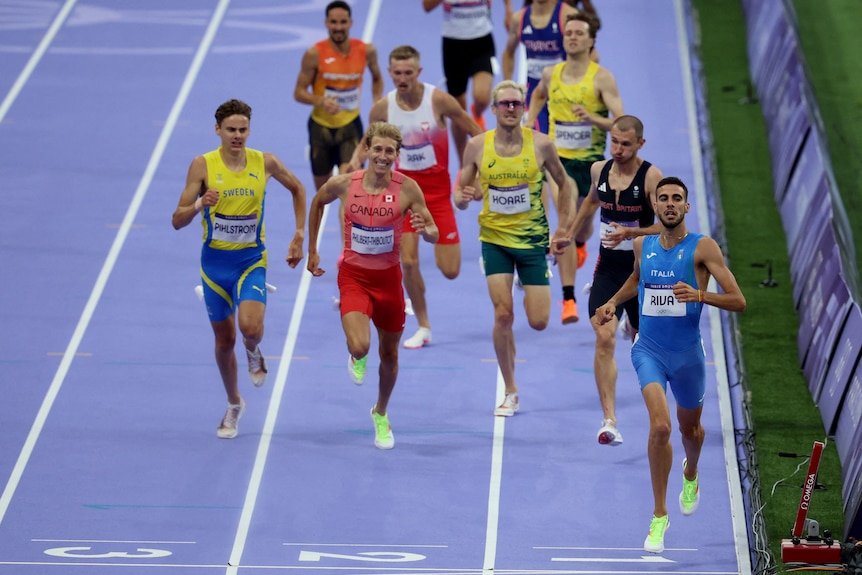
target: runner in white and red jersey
<point>420,111</point>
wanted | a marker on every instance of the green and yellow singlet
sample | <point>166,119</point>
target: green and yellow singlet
<point>575,139</point>
<point>512,211</point>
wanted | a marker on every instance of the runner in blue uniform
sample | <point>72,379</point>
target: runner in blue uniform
<point>671,274</point>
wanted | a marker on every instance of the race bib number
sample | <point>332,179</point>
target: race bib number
<point>573,135</point>
<point>535,65</point>
<point>659,302</point>
<point>347,99</point>
<point>371,240</point>
<point>467,13</point>
<point>235,229</point>
<point>416,158</point>
<point>606,228</point>
<point>512,200</point>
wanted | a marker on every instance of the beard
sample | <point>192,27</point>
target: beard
<point>671,225</point>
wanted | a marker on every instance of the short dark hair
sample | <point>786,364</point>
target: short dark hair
<point>232,108</point>
<point>671,181</point>
<point>584,17</point>
<point>628,122</point>
<point>335,4</point>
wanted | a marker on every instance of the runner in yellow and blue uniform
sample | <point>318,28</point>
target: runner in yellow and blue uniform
<point>227,186</point>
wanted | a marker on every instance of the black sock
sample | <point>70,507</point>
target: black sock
<point>568,292</point>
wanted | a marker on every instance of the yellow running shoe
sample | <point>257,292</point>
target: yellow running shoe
<point>689,497</point>
<point>654,542</point>
<point>356,368</point>
<point>383,436</point>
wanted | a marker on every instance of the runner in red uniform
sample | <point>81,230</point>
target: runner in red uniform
<point>376,201</point>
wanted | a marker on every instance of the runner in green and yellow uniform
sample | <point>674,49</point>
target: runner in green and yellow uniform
<point>583,100</point>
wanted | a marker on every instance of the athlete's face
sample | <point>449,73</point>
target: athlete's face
<point>404,74</point>
<point>624,145</point>
<point>509,107</point>
<point>234,131</point>
<point>382,154</point>
<point>671,205</point>
<point>338,22</point>
<point>576,37</point>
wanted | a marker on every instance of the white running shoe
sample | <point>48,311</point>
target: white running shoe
<point>625,329</point>
<point>408,306</point>
<point>518,283</point>
<point>421,338</point>
<point>509,406</point>
<point>256,366</point>
<point>227,429</point>
<point>609,434</point>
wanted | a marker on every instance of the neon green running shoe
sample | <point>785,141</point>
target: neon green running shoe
<point>383,436</point>
<point>689,497</point>
<point>356,367</point>
<point>654,542</point>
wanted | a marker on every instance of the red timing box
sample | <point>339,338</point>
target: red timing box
<point>809,552</point>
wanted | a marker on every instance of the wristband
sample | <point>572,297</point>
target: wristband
<point>699,296</point>
<point>199,204</point>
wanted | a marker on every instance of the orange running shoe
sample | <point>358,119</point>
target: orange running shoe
<point>478,119</point>
<point>582,255</point>
<point>570,311</point>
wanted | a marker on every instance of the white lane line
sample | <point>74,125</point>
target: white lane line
<point>281,377</point>
<point>25,74</point>
<point>496,477</point>
<point>110,261</point>
<point>737,507</point>
<point>271,416</point>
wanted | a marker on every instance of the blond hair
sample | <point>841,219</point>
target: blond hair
<point>384,130</point>
<point>506,84</point>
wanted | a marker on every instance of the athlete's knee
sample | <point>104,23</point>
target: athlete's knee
<point>358,347</point>
<point>449,269</point>
<point>225,343</point>
<point>481,98</point>
<point>504,317</point>
<point>538,323</point>
<point>409,263</point>
<point>358,351</point>
<point>605,339</point>
<point>660,431</point>
<point>251,330</point>
<point>450,274</point>
<point>389,356</point>
<point>691,431</point>
<point>448,259</point>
